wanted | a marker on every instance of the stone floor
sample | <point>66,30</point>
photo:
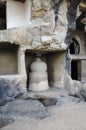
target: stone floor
<point>28,113</point>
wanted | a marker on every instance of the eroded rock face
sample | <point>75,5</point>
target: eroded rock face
<point>76,88</point>
<point>39,8</point>
<point>47,30</point>
<point>9,90</point>
<point>42,34</point>
<point>43,24</point>
<point>4,88</point>
<point>83,92</point>
<point>73,86</point>
<point>71,17</point>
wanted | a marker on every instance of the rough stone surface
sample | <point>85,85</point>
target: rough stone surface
<point>32,114</point>
<point>61,118</point>
<point>43,34</point>
<point>48,30</point>
<point>31,39</point>
<point>4,88</point>
<point>5,121</point>
<point>83,91</point>
<point>73,86</point>
<point>39,8</point>
<point>42,25</point>
<point>71,17</point>
<point>8,91</point>
<point>76,88</point>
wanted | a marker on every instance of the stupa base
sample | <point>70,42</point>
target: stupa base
<point>42,86</point>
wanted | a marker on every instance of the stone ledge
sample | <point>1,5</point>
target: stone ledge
<point>31,38</point>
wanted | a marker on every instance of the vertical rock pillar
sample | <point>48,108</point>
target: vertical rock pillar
<point>21,62</point>
<point>22,69</point>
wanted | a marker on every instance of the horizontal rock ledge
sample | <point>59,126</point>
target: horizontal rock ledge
<point>31,38</point>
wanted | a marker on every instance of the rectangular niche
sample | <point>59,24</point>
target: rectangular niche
<point>29,58</point>
<point>76,70</point>
<point>56,64</point>
<point>8,59</point>
<point>18,13</point>
<point>2,15</point>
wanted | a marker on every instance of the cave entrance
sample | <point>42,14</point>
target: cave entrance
<point>2,15</point>
<point>75,64</point>
<point>74,47</point>
<point>76,70</point>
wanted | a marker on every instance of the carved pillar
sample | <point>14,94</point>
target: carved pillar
<point>21,70</point>
<point>83,71</point>
<point>21,62</point>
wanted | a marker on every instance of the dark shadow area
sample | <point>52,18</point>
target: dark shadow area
<point>75,64</point>
<point>79,24</point>
<point>3,16</point>
<point>29,58</point>
<point>74,70</point>
<point>74,47</point>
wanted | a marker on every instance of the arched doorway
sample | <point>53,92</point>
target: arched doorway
<point>76,70</point>
<point>75,64</point>
<point>74,47</point>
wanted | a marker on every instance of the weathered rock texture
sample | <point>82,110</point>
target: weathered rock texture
<point>71,17</point>
<point>58,105</point>
<point>9,90</point>
<point>45,33</point>
<point>5,121</point>
<point>48,32</point>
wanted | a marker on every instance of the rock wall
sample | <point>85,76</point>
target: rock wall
<point>72,11</point>
<point>47,31</point>
<point>47,28</point>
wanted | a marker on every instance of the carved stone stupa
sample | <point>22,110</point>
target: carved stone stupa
<point>38,76</point>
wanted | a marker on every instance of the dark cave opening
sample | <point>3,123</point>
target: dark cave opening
<point>3,16</point>
<point>74,47</point>
<point>75,64</point>
<point>74,70</point>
